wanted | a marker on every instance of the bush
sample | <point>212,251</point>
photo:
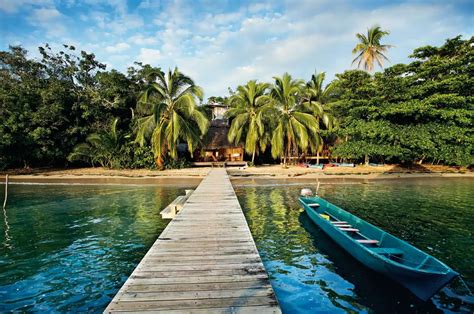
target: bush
<point>180,163</point>
<point>134,156</point>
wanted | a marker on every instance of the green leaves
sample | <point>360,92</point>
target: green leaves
<point>100,148</point>
<point>369,49</point>
<point>170,104</point>
<point>422,111</point>
<point>248,106</point>
<point>299,109</point>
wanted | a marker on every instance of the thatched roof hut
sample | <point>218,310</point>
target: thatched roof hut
<point>216,136</point>
<point>216,145</point>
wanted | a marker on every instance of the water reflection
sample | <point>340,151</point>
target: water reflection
<point>7,240</point>
<point>74,246</point>
<point>312,273</point>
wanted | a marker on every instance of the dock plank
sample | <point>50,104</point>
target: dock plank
<point>205,261</point>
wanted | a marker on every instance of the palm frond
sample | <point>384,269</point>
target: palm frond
<point>369,48</point>
<point>277,141</point>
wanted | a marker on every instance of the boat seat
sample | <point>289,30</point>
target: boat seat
<point>349,229</point>
<point>343,226</point>
<point>387,251</point>
<point>313,205</point>
<point>367,241</point>
<point>338,222</point>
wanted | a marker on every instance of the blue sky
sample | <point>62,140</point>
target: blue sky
<point>223,43</point>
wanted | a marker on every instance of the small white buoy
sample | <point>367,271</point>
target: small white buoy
<point>306,192</point>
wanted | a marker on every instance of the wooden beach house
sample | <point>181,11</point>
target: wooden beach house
<point>216,146</point>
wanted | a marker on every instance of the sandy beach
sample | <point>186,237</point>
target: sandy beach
<point>194,175</point>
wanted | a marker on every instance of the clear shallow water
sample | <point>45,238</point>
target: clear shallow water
<point>70,248</point>
<point>310,273</point>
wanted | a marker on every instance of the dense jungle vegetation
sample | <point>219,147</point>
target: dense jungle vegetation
<point>66,107</point>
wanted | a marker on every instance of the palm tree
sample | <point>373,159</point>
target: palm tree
<point>296,128</point>
<point>100,148</point>
<point>315,101</point>
<point>170,106</point>
<point>369,50</point>
<point>248,106</point>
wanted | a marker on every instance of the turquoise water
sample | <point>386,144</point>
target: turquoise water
<point>70,248</point>
<point>310,273</point>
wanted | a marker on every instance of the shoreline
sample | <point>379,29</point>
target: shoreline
<point>192,176</point>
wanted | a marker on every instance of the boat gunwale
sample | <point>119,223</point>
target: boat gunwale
<point>378,255</point>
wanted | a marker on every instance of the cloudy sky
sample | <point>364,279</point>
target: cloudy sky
<point>223,43</point>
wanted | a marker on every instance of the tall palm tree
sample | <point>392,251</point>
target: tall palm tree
<point>296,128</point>
<point>248,106</point>
<point>369,49</point>
<point>100,148</point>
<point>170,106</point>
<point>317,97</point>
<point>315,100</point>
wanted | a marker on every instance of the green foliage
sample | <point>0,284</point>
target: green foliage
<point>299,110</point>
<point>317,99</point>
<point>111,150</point>
<point>178,163</point>
<point>49,106</point>
<point>170,114</point>
<point>369,49</point>
<point>101,148</point>
<point>133,156</point>
<point>415,112</point>
<point>249,106</point>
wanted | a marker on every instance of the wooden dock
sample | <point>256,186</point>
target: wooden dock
<point>205,261</point>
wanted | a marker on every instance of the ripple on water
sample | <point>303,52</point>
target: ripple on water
<point>311,273</point>
<point>74,246</point>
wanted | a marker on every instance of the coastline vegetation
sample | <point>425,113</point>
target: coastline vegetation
<point>67,107</point>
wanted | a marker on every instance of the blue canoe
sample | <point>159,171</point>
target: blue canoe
<point>421,273</point>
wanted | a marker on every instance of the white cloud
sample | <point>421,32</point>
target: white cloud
<point>258,7</point>
<point>149,4</point>
<point>44,15</point>
<point>222,48</point>
<point>149,56</point>
<point>123,24</point>
<point>119,6</point>
<point>49,19</point>
<point>142,40</point>
<point>117,47</point>
<point>12,6</point>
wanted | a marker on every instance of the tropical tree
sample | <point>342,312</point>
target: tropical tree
<point>315,100</point>
<point>101,148</point>
<point>296,128</point>
<point>171,115</point>
<point>249,104</point>
<point>369,49</point>
<point>416,112</point>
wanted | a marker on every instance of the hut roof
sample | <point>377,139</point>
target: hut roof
<point>217,136</point>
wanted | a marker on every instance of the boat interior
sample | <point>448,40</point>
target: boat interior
<point>373,238</point>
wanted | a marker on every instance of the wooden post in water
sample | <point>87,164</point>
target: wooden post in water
<point>6,192</point>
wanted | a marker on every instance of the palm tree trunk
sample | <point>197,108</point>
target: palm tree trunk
<point>420,162</point>
<point>253,157</point>
<point>317,157</point>
<point>366,160</point>
<point>160,163</point>
<point>288,152</point>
